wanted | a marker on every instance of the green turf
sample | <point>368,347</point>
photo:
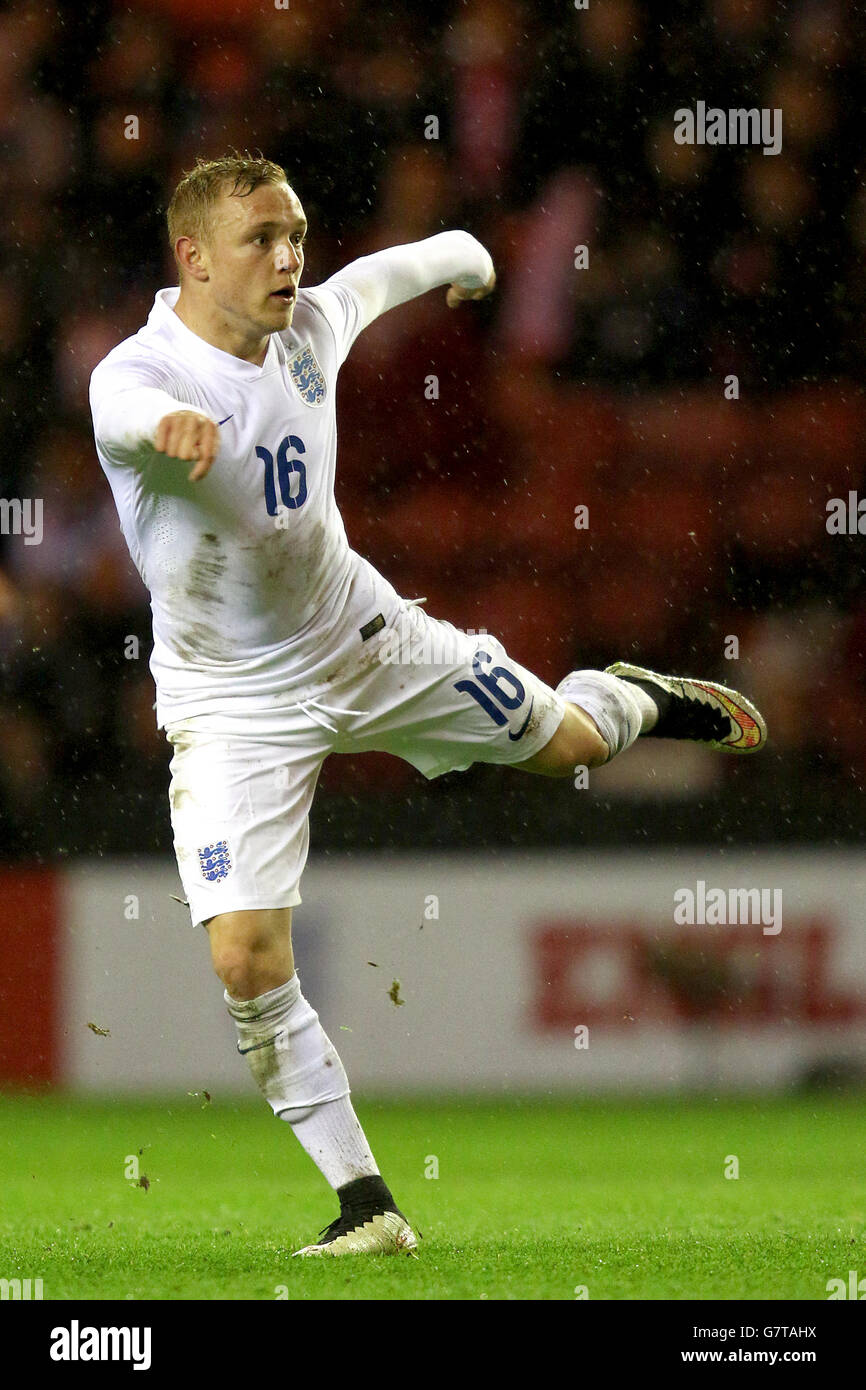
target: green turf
<point>532,1200</point>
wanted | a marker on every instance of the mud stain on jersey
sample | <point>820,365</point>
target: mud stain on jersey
<point>273,555</point>
<point>203,636</point>
<point>206,568</point>
<point>290,557</point>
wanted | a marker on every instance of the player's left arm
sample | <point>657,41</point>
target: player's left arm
<point>387,278</point>
<point>391,277</point>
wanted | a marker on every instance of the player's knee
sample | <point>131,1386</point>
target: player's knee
<point>239,970</point>
<point>248,976</point>
<point>251,952</point>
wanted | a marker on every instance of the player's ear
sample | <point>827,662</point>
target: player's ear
<point>190,258</point>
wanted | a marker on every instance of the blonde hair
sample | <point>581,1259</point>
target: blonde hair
<point>200,188</point>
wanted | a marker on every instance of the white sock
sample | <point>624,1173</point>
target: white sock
<point>333,1137</point>
<point>648,708</point>
<point>298,1071</point>
<point>621,711</point>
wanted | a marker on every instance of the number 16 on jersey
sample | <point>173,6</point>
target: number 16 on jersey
<point>289,474</point>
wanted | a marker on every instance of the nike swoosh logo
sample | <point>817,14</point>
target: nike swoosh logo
<point>222,422</point>
<point>522,730</point>
<point>254,1047</point>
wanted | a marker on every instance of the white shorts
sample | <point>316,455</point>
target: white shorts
<point>242,783</point>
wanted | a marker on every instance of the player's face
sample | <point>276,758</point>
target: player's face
<point>255,257</point>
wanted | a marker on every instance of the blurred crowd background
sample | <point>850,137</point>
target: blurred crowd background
<point>601,387</point>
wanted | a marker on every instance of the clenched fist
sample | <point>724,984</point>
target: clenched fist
<point>457,294</point>
<point>187,434</point>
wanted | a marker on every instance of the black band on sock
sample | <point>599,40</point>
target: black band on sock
<point>660,698</point>
<point>370,1191</point>
<point>361,1201</point>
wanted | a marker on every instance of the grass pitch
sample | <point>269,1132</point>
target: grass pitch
<point>531,1201</point>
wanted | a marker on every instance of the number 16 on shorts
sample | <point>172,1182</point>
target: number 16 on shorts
<point>488,691</point>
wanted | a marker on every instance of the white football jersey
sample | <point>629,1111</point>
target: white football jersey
<point>239,563</point>
<point>249,568</point>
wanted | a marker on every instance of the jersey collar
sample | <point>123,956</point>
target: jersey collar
<point>165,322</point>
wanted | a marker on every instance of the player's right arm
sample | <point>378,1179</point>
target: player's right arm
<point>188,435</point>
<point>132,418</point>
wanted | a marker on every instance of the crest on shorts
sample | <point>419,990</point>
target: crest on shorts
<point>215,861</point>
<point>308,376</point>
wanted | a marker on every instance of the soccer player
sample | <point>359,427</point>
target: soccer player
<point>215,425</point>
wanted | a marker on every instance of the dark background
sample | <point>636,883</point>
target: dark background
<point>602,387</point>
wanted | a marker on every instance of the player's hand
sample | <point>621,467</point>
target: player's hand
<point>456,293</point>
<point>186,434</point>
